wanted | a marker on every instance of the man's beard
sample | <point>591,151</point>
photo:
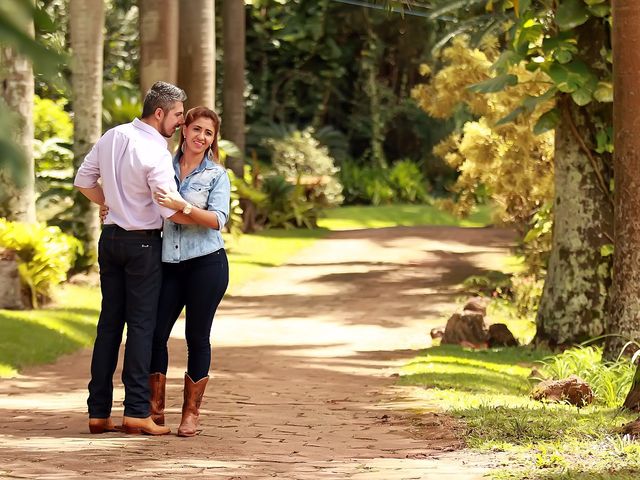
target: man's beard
<point>165,132</point>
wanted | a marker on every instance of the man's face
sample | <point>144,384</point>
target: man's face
<point>171,120</point>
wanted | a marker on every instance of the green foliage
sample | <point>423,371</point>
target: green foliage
<point>285,205</point>
<point>610,381</point>
<point>502,160</point>
<point>53,135</point>
<point>407,180</point>
<point>365,184</point>
<point>45,255</point>
<point>493,282</point>
<point>569,44</point>
<point>234,224</point>
<point>325,63</point>
<point>403,182</point>
<point>120,103</point>
<point>526,291</point>
<point>51,120</point>
<point>301,159</point>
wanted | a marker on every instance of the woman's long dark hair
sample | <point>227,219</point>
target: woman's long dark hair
<point>200,112</point>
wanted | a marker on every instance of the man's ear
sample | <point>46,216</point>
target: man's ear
<point>159,114</point>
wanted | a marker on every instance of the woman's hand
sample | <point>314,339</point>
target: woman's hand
<point>104,210</point>
<point>171,200</point>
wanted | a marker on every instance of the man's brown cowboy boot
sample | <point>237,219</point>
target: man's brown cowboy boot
<point>193,393</point>
<point>157,384</point>
<point>102,425</point>
<point>145,426</point>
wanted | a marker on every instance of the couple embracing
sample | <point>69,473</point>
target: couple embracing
<point>160,250</point>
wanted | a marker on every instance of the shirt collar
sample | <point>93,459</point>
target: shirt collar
<point>204,165</point>
<point>150,130</point>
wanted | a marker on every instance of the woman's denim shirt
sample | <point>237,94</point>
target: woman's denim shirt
<point>207,187</point>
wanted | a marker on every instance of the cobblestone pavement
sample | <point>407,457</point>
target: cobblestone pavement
<point>302,380</point>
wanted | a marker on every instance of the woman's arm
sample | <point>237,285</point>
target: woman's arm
<point>197,216</point>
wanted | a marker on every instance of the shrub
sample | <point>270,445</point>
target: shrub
<point>408,182</point>
<point>51,120</point>
<point>285,204</point>
<point>302,160</point>
<point>53,135</point>
<point>45,255</point>
<point>368,185</point>
<point>403,182</point>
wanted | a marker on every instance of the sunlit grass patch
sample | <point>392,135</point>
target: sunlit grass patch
<point>358,217</point>
<point>489,391</point>
<point>40,336</point>
<point>7,371</point>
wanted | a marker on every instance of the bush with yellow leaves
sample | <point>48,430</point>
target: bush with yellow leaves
<point>506,159</point>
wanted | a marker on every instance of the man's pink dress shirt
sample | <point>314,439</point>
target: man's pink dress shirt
<point>133,161</point>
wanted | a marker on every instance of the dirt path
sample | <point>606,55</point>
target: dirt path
<point>301,384</point>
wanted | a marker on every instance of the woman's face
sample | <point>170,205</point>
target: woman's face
<point>199,134</point>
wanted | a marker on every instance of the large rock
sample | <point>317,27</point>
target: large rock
<point>10,287</point>
<point>501,336</point>
<point>477,304</point>
<point>572,390</point>
<point>466,328</point>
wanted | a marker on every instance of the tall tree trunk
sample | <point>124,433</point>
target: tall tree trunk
<point>17,201</point>
<point>573,304</point>
<point>624,311</point>
<point>86,31</point>
<point>158,42</point>
<point>233,126</point>
<point>370,64</point>
<point>572,307</point>
<point>197,52</point>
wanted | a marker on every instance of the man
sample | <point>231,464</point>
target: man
<point>133,162</point>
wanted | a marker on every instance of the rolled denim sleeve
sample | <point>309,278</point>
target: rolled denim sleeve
<point>219,199</point>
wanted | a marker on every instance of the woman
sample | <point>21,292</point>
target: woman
<point>195,268</point>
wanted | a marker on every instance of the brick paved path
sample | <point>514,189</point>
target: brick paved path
<point>302,383</point>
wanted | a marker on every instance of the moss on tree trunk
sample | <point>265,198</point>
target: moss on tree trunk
<point>572,307</point>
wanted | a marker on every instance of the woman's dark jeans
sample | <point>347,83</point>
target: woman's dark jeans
<point>199,285</point>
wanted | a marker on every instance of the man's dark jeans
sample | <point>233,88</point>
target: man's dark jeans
<point>130,278</point>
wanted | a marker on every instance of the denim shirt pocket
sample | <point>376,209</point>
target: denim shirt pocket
<point>197,194</point>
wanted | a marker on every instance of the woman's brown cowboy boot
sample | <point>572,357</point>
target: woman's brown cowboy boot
<point>193,393</point>
<point>157,384</point>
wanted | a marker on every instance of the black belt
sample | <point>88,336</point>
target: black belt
<point>151,233</point>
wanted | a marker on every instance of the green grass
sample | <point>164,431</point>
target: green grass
<point>489,391</point>
<point>358,217</point>
<point>40,336</point>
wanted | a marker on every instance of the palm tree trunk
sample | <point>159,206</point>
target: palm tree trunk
<point>197,52</point>
<point>86,31</point>
<point>158,42</point>
<point>624,312</point>
<point>233,126</point>
<point>17,201</point>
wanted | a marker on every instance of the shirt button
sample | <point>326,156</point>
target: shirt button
<point>176,246</point>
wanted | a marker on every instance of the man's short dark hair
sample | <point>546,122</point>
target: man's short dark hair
<point>161,95</point>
